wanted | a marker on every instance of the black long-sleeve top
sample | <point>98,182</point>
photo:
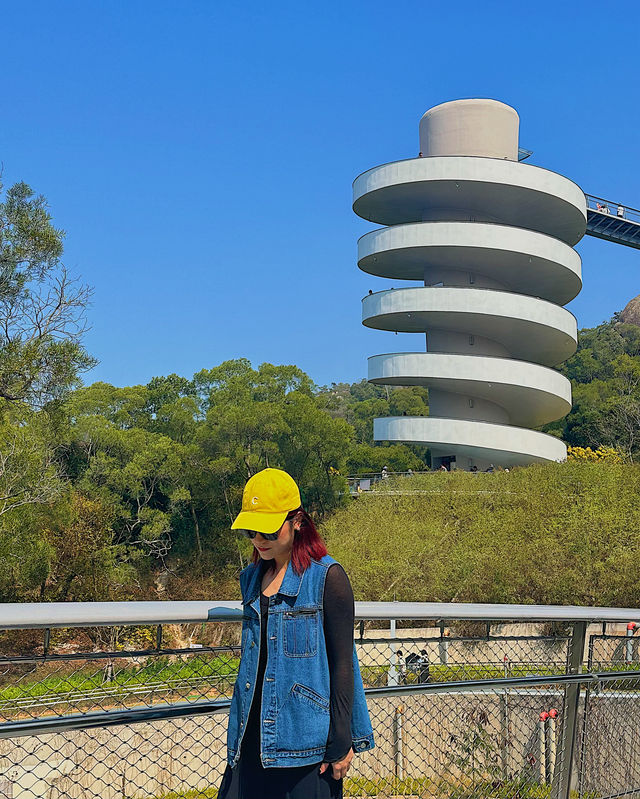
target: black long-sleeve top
<point>339,613</point>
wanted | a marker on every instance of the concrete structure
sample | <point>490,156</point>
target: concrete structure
<point>491,240</point>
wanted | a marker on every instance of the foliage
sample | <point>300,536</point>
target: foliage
<point>25,555</point>
<point>474,751</point>
<point>88,566</point>
<point>571,531</point>
<point>41,307</point>
<point>599,455</point>
<point>605,378</point>
<point>41,358</point>
<point>28,463</point>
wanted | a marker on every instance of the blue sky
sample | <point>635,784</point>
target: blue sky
<point>200,156</point>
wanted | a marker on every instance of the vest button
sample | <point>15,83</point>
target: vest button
<point>253,643</point>
<point>248,685</point>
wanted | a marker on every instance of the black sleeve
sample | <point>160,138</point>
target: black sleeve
<point>339,612</point>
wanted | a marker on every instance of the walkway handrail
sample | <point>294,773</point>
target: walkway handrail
<point>42,615</point>
<point>378,475</point>
<point>612,209</point>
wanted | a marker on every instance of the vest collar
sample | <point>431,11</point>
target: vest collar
<point>290,582</point>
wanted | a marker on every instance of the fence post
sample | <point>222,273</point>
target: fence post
<point>505,736</point>
<point>564,767</point>
<point>585,719</point>
<point>542,747</point>
<point>393,672</point>
<point>551,743</point>
<point>398,742</point>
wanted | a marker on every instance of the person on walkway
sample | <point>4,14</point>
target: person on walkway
<point>423,666</point>
<point>401,670</point>
<point>298,712</point>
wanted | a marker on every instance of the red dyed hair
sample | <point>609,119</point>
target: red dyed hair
<point>307,543</point>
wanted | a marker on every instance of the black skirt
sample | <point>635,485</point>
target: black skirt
<point>251,780</point>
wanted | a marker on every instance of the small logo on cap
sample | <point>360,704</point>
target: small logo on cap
<point>254,500</point>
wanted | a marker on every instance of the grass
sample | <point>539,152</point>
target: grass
<point>422,787</point>
<point>164,677</point>
<point>158,673</point>
<point>461,672</point>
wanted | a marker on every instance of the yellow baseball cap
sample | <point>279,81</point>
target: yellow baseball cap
<point>267,498</point>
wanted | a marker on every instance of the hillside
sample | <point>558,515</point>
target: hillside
<point>549,534</point>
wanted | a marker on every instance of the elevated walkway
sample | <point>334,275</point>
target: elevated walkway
<point>613,221</point>
<point>607,220</point>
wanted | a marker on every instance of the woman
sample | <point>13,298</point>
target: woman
<point>298,710</point>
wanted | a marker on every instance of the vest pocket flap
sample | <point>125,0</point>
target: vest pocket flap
<point>299,611</point>
<point>304,692</point>
<point>300,632</point>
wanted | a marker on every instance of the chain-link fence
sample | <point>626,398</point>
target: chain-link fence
<point>525,703</point>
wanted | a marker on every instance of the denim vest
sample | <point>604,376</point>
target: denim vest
<point>294,718</point>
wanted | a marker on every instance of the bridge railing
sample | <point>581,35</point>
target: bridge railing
<point>366,481</point>
<point>613,209</point>
<point>131,700</point>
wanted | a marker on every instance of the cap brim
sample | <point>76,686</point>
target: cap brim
<point>259,521</point>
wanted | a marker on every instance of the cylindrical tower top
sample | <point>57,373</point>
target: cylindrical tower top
<point>477,127</point>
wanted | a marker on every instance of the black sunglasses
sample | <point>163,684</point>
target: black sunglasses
<point>252,534</point>
<point>269,536</point>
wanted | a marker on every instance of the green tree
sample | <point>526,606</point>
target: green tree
<point>25,554</point>
<point>606,396</point>
<point>42,309</point>
<point>86,563</point>
<point>134,473</point>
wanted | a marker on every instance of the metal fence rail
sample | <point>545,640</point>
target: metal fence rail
<point>465,700</point>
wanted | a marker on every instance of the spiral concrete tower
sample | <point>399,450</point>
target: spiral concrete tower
<point>491,239</point>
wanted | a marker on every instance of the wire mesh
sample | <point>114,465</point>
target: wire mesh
<point>455,716</point>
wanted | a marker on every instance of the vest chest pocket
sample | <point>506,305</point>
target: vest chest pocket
<point>300,632</point>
